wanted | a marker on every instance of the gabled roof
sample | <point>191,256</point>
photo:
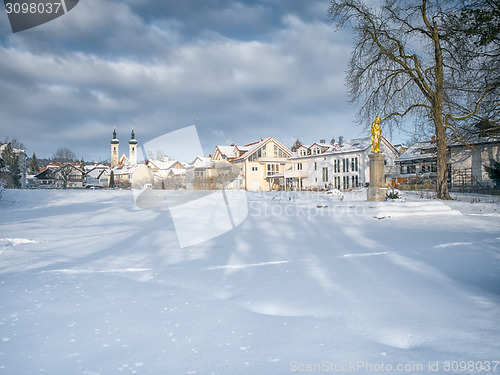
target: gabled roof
<point>227,151</point>
<point>45,171</point>
<point>321,145</point>
<point>98,172</point>
<point>252,147</point>
<point>124,160</point>
<point>201,161</point>
<point>165,165</point>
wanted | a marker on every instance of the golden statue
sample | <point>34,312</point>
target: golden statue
<point>376,133</point>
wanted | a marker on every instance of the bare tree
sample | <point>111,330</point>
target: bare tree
<point>64,155</point>
<point>403,67</point>
<point>474,47</point>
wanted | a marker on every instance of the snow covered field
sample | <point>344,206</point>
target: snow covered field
<point>308,283</point>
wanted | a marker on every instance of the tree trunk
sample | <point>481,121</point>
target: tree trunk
<point>440,129</point>
<point>442,158</point>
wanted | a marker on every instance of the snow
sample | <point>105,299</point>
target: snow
<point>91,284</point>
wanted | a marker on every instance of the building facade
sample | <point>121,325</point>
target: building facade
<point>343,165</point>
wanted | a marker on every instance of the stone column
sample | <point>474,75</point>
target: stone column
<point>377,190</point>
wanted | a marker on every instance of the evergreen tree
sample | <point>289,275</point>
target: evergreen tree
<point>296,145</point>
<point>493,171</point>
<point>112,180</point>
<point>34,168</point>
<point>11,161</point>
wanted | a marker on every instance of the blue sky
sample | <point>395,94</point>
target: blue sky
<point>238,70</point>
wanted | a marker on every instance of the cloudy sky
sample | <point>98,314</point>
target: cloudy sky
<point>238,70</point>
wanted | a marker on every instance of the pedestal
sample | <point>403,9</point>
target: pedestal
<point>377,190</point>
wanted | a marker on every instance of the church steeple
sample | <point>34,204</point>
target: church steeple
<point>114,149</point>
<point>132,148</point>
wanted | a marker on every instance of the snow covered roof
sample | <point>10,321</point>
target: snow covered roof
<point>321,145</point>
<point>201,161</point>
<point>126,169</point>
<point>164,165</point>
<point>98,172</point>
<point>227,151</point>
<point>420,150</point>
<point>177,171</point>
<point>252,147</point>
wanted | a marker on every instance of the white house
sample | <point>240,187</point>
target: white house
<point>134,176</point>
<point>97,175</point>
<point>165,169</point>
<point>343,165</point>
<point>261,165</point>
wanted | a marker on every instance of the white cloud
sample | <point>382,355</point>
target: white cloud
<point>289,84</point>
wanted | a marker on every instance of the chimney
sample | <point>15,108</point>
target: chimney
<point>321,141</point>
<point>341,141</point>
<point>166,158</point>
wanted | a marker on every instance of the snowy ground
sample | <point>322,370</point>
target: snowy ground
<point>308,283</point>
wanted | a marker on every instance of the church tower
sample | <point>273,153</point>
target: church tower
<point>114,149</point>
<point>132,149</point>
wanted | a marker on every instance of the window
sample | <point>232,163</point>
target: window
<point>347,165</point>
<point>352,164</point>
<point>299,166</point>
<point>405,169</point>
<point>325,174</point>
<point>257,154</point>
<point>273,169</point>
<point>255,169</point>
<point>278,152</point>
<point>343,165</point>
<point>315,166</point>
<point>356,165</point>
